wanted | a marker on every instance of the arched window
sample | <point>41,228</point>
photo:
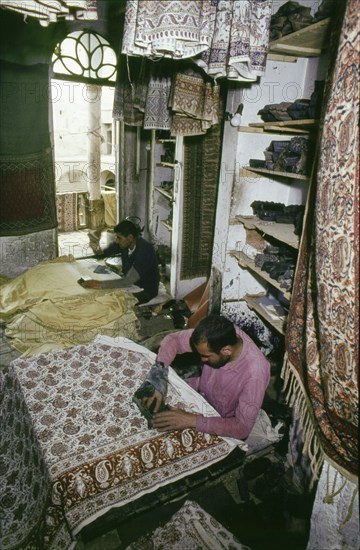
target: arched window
<point>85,56</point>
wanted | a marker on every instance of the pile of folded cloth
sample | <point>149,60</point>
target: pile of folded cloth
<point>278,212</point>
<point>299,109</point>
<point>279,262</point>
<point>285,156</point>
<point>292,17</point>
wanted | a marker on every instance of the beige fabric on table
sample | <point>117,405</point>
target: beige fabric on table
<point>46,309</point>
<point>74,320</point>
<point>52,279</point>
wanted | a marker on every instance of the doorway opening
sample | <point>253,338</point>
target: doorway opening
<point>85,142</point>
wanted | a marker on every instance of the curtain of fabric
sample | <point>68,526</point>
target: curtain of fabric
<point>159,28</point>
<point>227,39</point>
<point>27,183</point>
<point>321,369</point>
<point>201,179</point>
<point>239,41</point>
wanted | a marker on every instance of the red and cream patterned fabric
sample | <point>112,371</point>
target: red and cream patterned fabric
<point>87,441</point>
<point>323,330</point>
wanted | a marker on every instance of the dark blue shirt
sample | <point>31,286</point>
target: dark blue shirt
<point>144,260</point>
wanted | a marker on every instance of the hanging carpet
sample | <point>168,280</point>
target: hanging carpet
<point>321,371</point>
<point>27,184</point>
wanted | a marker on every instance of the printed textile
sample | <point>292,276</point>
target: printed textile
<point>66,210</point>
<point>130,92</point>
<point>240,40</point>
<point>159,28</point>
<point>157,114</point>
<point>201,177</point>
<point>142,94</point>
<point>190,527</point>
<point>87,448</point>
<point>195,104</point>
<point>27,180</point>
<point>27,193</point>
<point>226,39</point>
<point>323,332</point>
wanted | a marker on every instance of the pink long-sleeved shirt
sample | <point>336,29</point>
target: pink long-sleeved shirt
<point>236,390</point>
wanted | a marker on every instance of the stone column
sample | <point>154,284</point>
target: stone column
<point>96,203</point>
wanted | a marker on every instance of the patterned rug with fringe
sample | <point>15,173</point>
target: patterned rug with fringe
<point>321,372</point>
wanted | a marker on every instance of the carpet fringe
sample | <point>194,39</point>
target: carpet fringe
<point>296,398</point>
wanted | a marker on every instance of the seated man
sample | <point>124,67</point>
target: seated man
<point>139,262</point>
<point>234,378</point>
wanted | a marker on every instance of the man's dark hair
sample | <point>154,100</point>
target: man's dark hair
<point>126,228</point>
<point>216,331</point>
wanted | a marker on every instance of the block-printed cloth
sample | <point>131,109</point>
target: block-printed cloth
<point>323,331</point>
<point>85,447</point>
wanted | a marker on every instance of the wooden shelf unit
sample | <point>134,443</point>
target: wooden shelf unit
<point>301,126</point>
<point>307,42</point>
<point>166,194</point>
<point>166,224</point>
<point>246,262</point>
<point>282,232</point>
<point>254,302</point>
<point>276,173</point>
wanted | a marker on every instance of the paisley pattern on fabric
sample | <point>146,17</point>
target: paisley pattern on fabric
<point>190,527</point>
<point>87,447</point>
<point>323,330</point>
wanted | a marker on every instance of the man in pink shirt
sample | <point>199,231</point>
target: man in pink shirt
<point>234,378</point>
